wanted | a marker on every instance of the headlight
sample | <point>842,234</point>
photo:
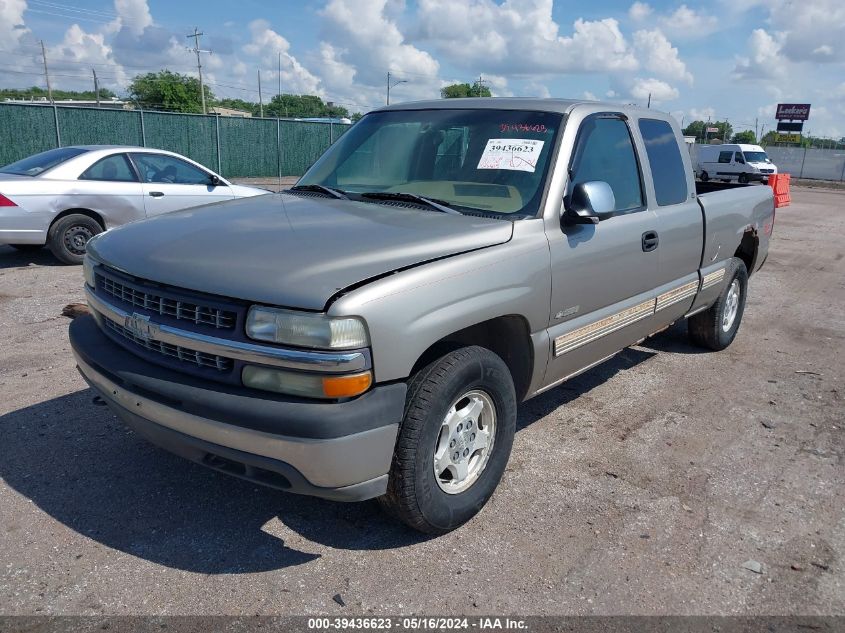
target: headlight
<point>305,329</point>
<point>306,385</point>
<point>88,271</point>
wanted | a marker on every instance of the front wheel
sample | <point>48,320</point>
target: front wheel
<point>716,327</point>
<point>69,235</point>
<point>454,441</point>
<point>743,179</point>
<point>705,176</point>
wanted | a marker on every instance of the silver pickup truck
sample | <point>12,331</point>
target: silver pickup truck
<point>370,331</point>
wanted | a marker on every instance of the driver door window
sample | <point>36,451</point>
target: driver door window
<point>171,184</point>
<point>159,168</point>
<point>605,152</point>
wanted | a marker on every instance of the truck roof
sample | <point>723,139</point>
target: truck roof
<point>563,106</point>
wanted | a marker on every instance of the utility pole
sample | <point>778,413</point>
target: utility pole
<point>479,84</point>
<point>46,72</point>
<point>755,130</point>
<point>260,100</point>
<point>96,87</point>
<point>393,85</point>
<point>280,76</point>
<point>649,100</point>
<point>196,49</point>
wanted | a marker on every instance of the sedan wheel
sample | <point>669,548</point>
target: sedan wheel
<point>69,236</point>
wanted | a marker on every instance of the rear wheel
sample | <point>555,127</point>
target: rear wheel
<point>743,178</point>
<point>454,441</point>
<point>705,176</point>
<point>69,235</point>
<point>716,327</point>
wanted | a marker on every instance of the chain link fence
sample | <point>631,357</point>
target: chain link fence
<point>234,147</point>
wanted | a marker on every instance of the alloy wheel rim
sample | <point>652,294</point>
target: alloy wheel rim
<point>465,442</point>
<point>731,306</point>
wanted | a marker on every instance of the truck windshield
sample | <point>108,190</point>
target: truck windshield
<point>39,163</point>
<point>471,160</point>
<point>756,157</point>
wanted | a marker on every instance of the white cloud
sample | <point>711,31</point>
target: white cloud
<point>639,11</point>
<point>521,37</point>
<point>812,31</point>
<point>590,96</point>
<point>266,44</point>
<point>659,90</point>
<point>659,56</point>
<point>688,24</point>
<point>12,27</point>
<point>764,60</point>
<point>498,85</point>
<point>134,15</point>
<point>702,114</point>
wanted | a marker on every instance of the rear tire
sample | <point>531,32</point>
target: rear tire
<point>454,441</point>
<point>705,176</point>
<point>743,179</point>
<point>716,327</point>
<point>69,235</point>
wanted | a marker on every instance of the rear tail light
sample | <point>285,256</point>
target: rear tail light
<point>5,202</point>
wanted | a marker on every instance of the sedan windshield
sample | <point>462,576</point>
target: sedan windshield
<point>39,163</point>
<point>493,161</point>
<point>756,157</point>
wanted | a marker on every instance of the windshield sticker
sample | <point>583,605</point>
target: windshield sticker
<point>515,154</point>
<point>523,127</point>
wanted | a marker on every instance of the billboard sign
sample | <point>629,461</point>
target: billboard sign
<point>790,126</point>
<point>712,129</point>
<point>789,138</point>
<point>793,112</point>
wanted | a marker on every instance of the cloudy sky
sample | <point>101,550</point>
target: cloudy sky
<point>723,58</point>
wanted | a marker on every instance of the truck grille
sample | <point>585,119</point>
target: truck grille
<point>157,303</point>
<point>200,359</point>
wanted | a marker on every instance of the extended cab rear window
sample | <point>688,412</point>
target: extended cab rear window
<point>664,157</point>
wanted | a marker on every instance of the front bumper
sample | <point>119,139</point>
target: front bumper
<point>335,450</point>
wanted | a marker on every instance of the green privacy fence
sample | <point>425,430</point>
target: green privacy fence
<point>234,147</point>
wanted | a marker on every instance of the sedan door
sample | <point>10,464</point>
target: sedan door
<point>171,184</point>
<point>110,187</point>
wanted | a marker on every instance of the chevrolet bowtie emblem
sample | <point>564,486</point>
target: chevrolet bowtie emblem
<point>140,326</point>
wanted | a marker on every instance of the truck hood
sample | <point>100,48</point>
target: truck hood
<point>289,250</point>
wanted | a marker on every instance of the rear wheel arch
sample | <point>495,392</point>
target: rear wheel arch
<point>507,336</point>
<point>91,214</point>
<point>748,249</point>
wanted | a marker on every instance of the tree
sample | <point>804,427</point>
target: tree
<point>746,136</point>
<point>459,91</point>
<point>37,93</point>
<point>698,129</point>
<point>170,91</point>
<point>302,106</point>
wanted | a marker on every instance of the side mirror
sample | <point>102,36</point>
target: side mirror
<point>588,201</point>
<point>214,180</point>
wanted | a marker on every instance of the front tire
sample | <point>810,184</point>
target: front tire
<point>705,176</point>
<point>743,179</point>
<point>716,327</point>
<point>69,235</point>
<point>454,441</point>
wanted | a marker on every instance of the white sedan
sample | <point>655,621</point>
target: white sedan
<point>65,196</point>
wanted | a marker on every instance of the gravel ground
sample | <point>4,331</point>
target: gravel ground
<point>649,485</point>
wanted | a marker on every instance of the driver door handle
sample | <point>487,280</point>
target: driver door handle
<point>157,194</point>
<point>650,241</point>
